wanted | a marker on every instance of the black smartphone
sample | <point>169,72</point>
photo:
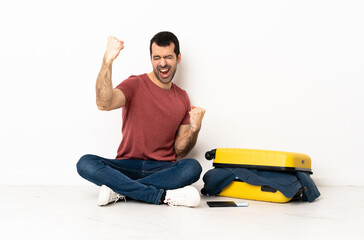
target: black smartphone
<point>221,204</point>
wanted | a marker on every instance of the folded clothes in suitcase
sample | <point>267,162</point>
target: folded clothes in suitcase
<point>263,175</point>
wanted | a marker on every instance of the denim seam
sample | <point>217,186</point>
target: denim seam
<point>143,163</point>
<point>159,196</point>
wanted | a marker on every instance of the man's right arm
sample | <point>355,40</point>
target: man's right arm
<point>108,98</point>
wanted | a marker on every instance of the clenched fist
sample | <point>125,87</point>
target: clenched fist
<point>196,116</point>
<point>114,46</point>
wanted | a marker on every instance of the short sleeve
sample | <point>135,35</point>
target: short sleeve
<point>186,119</point>
<point>128,87</point>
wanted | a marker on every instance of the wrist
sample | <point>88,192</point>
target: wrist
<point>107,61</point>
<point>194,130</point>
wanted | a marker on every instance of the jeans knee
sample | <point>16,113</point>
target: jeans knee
<point>193,167</point>
<point>84,165</point>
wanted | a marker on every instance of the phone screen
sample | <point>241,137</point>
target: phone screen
<point>221,204</point>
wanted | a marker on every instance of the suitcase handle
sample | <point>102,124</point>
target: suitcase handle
<point>210,154</point>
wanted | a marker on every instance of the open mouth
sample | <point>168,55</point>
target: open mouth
<point>164,72</point>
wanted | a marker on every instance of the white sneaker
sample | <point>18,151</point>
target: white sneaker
<point>187,196</point>
<point>106,196</point>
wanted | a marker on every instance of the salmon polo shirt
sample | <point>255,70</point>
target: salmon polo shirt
<point>151,118</point>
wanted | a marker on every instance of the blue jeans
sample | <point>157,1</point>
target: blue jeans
<point>142,180</point>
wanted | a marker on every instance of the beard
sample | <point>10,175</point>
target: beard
<point>167,79</point>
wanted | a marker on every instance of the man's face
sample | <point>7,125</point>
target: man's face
<point>164,62</point>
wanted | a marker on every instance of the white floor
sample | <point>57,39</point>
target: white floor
<point>70,212</point>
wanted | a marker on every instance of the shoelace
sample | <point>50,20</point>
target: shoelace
<point>119,197</point>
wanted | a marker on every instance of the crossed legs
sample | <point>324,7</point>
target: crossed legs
<point>143,180</point>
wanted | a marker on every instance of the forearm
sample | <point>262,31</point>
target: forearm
<point>185,144</point>
<point>104,88</point>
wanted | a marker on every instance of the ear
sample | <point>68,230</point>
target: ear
<point>179,58</point>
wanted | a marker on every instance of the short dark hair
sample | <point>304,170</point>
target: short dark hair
<point>164,39</point>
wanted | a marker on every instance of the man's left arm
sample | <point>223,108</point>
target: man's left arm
<point>186,137</point>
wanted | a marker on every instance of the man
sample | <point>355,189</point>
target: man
<point>159,129</point>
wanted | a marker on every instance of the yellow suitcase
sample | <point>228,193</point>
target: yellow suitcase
<point>261,160</point>
<point>240,189</point>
